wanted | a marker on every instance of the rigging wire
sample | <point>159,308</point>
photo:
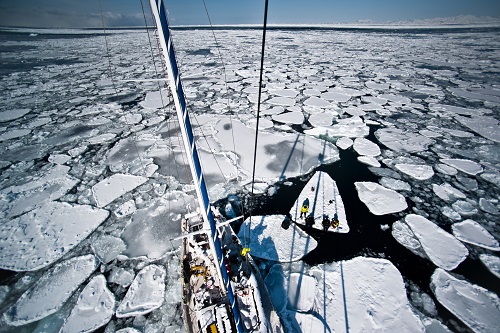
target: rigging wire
<point>230,112</point>
<point>258,104</point>
<point>260,95</point>
<point>178,134</point>
<point>195,119</point>
<point>129,128</point>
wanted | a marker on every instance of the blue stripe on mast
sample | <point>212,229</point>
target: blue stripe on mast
<point>195,158</point>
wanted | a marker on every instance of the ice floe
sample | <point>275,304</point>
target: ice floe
<point>445,169</point>
<point>145,294</point>
<point>353,127</point>
<point>417,171</point>
<point>447,192</point>
<point>59,158</point>
<point>492,263</point>
<point>317,102</point>
<point>13,134</point>
<point>365,147</point>
<point>278,155</point>
<point>358,295</point>
<point>477,307</point>
<point>488,207</point>
<point>83,116</point>
<point>51,291</point>
<point>369,160</point>
<point>291,245</point>
<point>111,188</point>
<point>152,226</point>
<point>94,308</point>
<point>402,141</point>
<point>36,191</point>
<point>296,118</point>
<point>107,247</point>
<point>422,236</point>
<point>380,200</point>
<point>485,126</point>
<point>344,143</point>
<point>395,184</point>
<point>464,208</point>
<point>282,101</point>
<point>469,231</point>
<point>13,114</point>
<point>467,166</point>
<point>42,236</point>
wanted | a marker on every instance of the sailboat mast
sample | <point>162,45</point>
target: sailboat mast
<point>190,146</point>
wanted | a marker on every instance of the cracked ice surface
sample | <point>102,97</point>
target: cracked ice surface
<point>42,236</point>
<point>477,307</point>
<point>94,308</point>
<point>434,110</point>
<point>145,294</point>
<point>51,291</point>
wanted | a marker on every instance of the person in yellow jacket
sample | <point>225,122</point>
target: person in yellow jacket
<point>244,251</point>
<point>305,208</point>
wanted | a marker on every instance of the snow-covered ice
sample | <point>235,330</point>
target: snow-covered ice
<point>395,184</point>
<point>353,127</point>
<point>109,189</point>
<point>344,143</point>
<point>469,231</point>
<point>467,166</point>
<point>447,192</point>
<point>42,236</point>
<point>145,294</point>
<point>488,207</point>
<point>13,114</point>
<point>291,245</point>
<point>380,200</point>
<point>59,138</point>
<point>420,172</point>
<point>363,294</point>
<point>369,160</point>
<point>401,140</point>
<point>295,118</point>
<point>492,263</point>
<point>107,247</point>
<point>365,147</point>
<point>301,290</point>
<point>439,246</point>
<point>94,308</point>
<point>477,307</point>
<point>51,291</point>
<point>36,191</point>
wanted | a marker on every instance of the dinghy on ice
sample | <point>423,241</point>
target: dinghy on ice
<point>322,199</point>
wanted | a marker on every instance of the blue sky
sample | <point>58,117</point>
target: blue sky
<point>86,13</point>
